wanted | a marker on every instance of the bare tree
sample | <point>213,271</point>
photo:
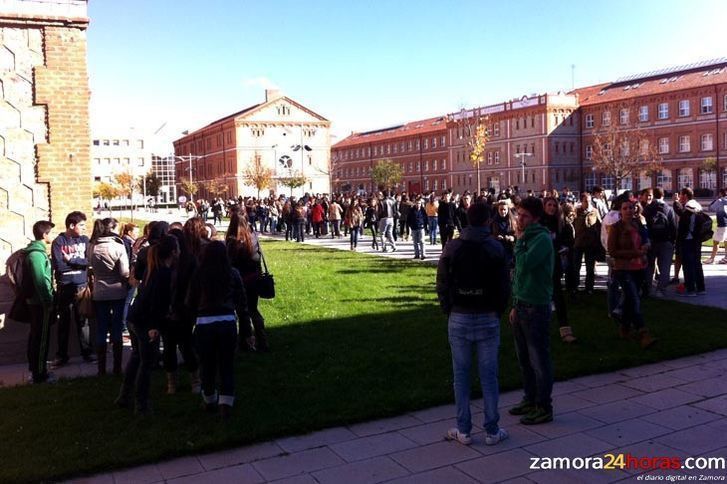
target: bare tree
<point>258,175</point>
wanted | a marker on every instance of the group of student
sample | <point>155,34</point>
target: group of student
<point>174,287</point>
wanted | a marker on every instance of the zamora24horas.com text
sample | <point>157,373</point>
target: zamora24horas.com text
<point>632,462</point>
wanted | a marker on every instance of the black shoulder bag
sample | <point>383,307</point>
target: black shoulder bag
<point>265,284</point>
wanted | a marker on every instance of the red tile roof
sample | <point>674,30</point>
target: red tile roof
<point>413,128</point>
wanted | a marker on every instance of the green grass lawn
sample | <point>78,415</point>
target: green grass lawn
<point>353,338</point>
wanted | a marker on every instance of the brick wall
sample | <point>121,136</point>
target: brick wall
<point>44,133</point>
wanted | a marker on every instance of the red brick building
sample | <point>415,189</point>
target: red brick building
<point>684,109</point>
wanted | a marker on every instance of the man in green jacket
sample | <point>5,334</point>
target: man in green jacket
<point>38,289</point>
<point>532,293</point>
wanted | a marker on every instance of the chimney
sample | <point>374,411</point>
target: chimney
<point>272,94</point>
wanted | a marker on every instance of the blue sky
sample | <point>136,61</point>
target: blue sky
<point>370,64</point>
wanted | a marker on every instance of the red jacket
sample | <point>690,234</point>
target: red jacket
<point>316,213</point>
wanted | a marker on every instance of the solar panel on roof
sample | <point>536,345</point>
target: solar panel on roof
<point>670,70</point>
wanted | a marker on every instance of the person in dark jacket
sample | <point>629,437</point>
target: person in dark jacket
<point>243,249</point>
<point>216,299</point>
<point>446,218</point>
<point>691,248</point>
<point>587,242</point>
<point>146,317</point>
<point>662,225</point>
<point>371,220</point>
<point>69,258</point>
<point>416,221</point>
<point>473,287</point>
<point>502,228</point>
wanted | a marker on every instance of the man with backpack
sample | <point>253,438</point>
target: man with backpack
<point>37,288</point>
<point>692,231</point>
<point>719,206</point>
<point>69,258</point>
<point>662,225</point>
<point>473,288</point>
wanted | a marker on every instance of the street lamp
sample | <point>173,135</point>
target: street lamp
<point>189,159</point>
<point>522,162</point>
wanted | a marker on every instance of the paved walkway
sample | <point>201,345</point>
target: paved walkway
<point>675,408</point>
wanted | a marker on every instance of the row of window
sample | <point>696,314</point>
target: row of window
<point>389,148</point>
<point>707,179</point>
<point>411,167</point>
<point>685,145</point>
<point>684,109</point>
<point>118,142</point>
<point>117,161</point>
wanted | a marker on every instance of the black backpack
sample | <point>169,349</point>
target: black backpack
<point>473,283</point>
<point>15,269</point>
<point>703,227</point>
<point>659,225</point>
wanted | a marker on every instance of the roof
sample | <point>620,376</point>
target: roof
<point>413,128</point>
<point>654,83</point>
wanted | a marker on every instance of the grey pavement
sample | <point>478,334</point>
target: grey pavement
<point>674,408</point>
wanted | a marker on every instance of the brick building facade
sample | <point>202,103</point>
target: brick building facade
<point>683,109</point>
<point>44,133</point>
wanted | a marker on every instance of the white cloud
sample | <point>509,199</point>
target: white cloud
<point>261,81</point>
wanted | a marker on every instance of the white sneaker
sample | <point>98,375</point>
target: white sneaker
<point>496,438</point>
<point>455,434</point>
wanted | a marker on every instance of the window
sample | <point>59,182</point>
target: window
<point>140,144</point>
<point>663,145</point>
<point>644,114</point>
<point>623,116</point>
<point>625,148</point>
<point>497,157</point>
<point>426,165</point>
<point>426,143</point>
<point>105,142</point>
<point>127,161</point>
<point>140,162</point>
<point>684,107</point>
<point>663,179</point>
<point>557,147</point>
<point>496,126</point>
<point>663,111</point>
<point>489,157</point>
<point>589,152</point>
<point>107,160</point>
<point>706,105</point>
<point>396,148</point>
<point>443,142</point>
<point>411,167</point>
<point>434,163</point>
<point>591,180</point>
<point>608,182</point>
<point>388,149</point>
<point>685,178</point>
<point>434,143</point>
<point>684,144</point>
<point>589,120</point>
<point>517,122</point>
<point>125,142</point>
<point>644,147</point>
<point>97,161</point>
<point>708,179</point>
<point>96,142</point>
<point>606,118</point>
<point>724,102</point>
<point>532,122</point>
<point>707,142</point>
<point>444,164</point>
<point>410,145</point>
<point>115,142</point>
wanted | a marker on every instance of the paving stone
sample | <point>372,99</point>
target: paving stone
<point>565,387</point>
<point>138,475</point>
<point>242,474</point>
<point>687,361</point>
<point>429,433</point>
<point>566,424</point>
<point>696,373</point>
<point>498,467</point>
<point>241,455</point>
<point>570,403</point>
<point>593,381</point>
<point>607,393</point>
<point>577,476</point>
<point>518,480</point>
<point>645,370</point>
<point>617,411</point>
<point>520,436</point>
<point>696,440</point>
<point>667,398</point>
<point>304,479</point>
<point>682,417</point>
<point>378,469</point>
<point>653,383</point>
<point>645,449</point>
<point>434,455</point>
<point>367,447</point>
<point>628,432</point>
<point>435,414</point>
<point>97,479</point>
<point>180,467</point>
<point>715,405</point>
<point>316,439</point>
<point>706,388</point>
<point>448,475</point>
<point>385,425</point>
<point>576,445</point>
<point>298,463</point>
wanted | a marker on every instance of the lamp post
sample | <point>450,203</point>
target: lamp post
<point>522,162</point>
<point>189,159</point>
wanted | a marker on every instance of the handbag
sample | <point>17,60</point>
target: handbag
<point>265,283</point>
<point>84,301</point>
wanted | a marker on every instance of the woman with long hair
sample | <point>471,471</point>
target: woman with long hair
<point>146,316</point>
<point>371,220</point>
<point>216,300</point>
<point>502,227</point>
<point>110,263</point>
<point>354,219</point>
<point>244,252</point>
<point>195,234</point>
<point>553,221</point>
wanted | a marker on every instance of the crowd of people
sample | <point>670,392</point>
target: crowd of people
<point>174,287</point>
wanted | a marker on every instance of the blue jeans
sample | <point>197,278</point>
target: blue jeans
<point>532,346</point>
<point>630,282</point>
<point>417,236</point>
<point>354,237</point>
<point>387,233</point>
<point>109,317</point>
<point>216,344</point>
<point>660,256</point>
<point>432,230</point>
<point>480,332</point>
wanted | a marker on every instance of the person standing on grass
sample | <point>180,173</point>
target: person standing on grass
<point>473,287</point>
<point>719,206</point>
<point>69,258</point>
<point>415,222</point>
<point>38,290</point>
<point>532,293</point>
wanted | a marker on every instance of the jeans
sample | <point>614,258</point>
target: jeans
<point>178,334</point>
<point>127,303</point>
<point>630,282</point>
<point>374,236</point>
<point>660,256</point>
<point>532,346</point>
<point>138,368</point>
<point>417,236</point>
<point>480,332</point>
<point>109,318</point>
<point>387,233</point>
<point>300,231</point>
<point>432,230</point>
<point>336,232</point>
<point>216,347</point>
<point>67,309</point>
<point>446,232</point>
<point>354,237</point>
<point>614,298</point>
<point>590,255</point>
<point>692,265</point>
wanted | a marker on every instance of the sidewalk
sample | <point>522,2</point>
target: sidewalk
<point>675,408</point>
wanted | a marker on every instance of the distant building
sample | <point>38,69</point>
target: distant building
<point>288,138</point>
